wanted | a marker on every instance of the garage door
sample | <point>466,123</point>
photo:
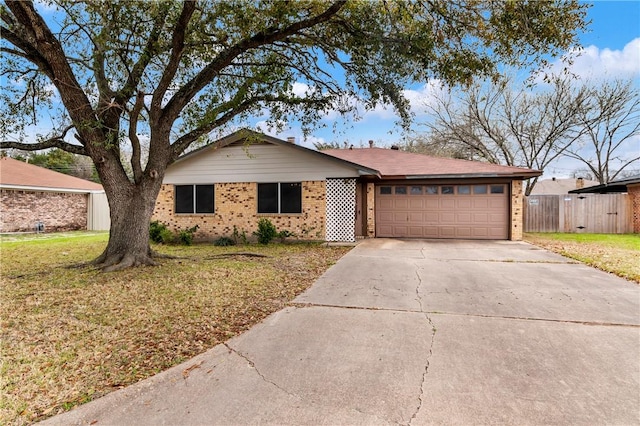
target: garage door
<point>442,211</point>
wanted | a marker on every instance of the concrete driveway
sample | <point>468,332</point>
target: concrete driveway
<point>416,332</point>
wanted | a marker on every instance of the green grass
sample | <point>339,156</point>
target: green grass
<point>615,253</point>
<point>626,241</point>
<point>71,334</point>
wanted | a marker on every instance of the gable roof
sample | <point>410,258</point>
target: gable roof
<point>611,187</point>
<point>16,174</point>
<point>247,136</point>
<point>393,163</point>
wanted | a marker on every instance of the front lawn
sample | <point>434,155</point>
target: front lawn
<point>615,253</point>
<point>70,335</point>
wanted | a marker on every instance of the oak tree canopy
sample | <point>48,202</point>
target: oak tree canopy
<point>104,73</point>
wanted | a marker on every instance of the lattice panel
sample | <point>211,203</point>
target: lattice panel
<point>341,210</point>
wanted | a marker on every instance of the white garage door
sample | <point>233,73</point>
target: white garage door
<point>443,211</point>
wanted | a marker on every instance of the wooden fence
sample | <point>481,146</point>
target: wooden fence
<point>578,213</point>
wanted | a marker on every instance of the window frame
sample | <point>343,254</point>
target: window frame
<point>194,198</point>
<point>278,198</point>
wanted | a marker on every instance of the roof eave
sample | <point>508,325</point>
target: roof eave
<point>49,189</point>
<point>524,175</point>
<point>244,133</point>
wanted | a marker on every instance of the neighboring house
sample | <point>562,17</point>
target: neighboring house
<point>339,195</point>
<point>31,196</point>
<point>555,186</point>
<point>629,185</point>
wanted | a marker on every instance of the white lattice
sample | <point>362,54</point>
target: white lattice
<point>341,210</point>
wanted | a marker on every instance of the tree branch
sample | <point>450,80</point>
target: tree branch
<point>187,92</point>
<point>133,137</point>
<point>53,142</point>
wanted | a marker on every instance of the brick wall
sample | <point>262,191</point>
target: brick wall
<point>517,200</point>
<point>371,210</point>
<point>20,210</point>
<point>634,195</point>
<point>236,204</point>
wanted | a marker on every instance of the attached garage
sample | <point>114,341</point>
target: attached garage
<point>477,211</point>
<point>419,196</point>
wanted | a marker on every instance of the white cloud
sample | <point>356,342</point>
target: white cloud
<point>287,131</point>
<point>594,62</point>
<point>419,100</point>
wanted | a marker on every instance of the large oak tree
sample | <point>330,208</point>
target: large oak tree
<point>176,71</point>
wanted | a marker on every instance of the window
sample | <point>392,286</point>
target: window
<point>416,190</point>
<point>194,199</point>
<point>280,197</point>
<point>464,189</point>
<point>497,189</point>
<point>431,189</point>
<point>447,190</point>
<point>402,190</point>
<point>385,190</point>
<point>479,189</point>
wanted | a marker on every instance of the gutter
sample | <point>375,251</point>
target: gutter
<point>49,189</point>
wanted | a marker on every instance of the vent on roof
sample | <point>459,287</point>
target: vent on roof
<point>395,147</point>
<point>370,143</point>
<point>291,139</point>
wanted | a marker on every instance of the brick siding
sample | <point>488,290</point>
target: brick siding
<point>634,195</point>
<point>236,205</point>
<point>20,210</point>
<point>517,200</point>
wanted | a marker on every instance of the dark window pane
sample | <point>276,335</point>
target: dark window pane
<point>267,198</point>
<point>497,189</point>
<point>416,190</point>
<point>447,190</point>
<point>402,190</point>
<point>291,198</point>
<point>431,189</point>
<point>385,190</point>
<point>204,199</point>
<point>464,189</point>
<point>184,198</point>
<point>479,189</point>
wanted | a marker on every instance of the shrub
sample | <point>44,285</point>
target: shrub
<point>266,231</point>
<point>224,242</point>
<point>185,236</point>
<point>239,235</point>
<point>159,233</point>
<point>285,234</point>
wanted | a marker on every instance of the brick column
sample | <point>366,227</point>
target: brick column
<point>517,200</point>
<point>634,195</point>
<point>371,210</point>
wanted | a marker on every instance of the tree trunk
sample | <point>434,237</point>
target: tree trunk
<point>130,210</point>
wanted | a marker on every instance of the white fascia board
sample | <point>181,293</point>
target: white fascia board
<point>47,189</point>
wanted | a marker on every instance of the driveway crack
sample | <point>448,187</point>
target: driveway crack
<point>262,376</point>
<point>427,361</point>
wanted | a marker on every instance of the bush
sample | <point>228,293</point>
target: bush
<point>224,242</point>
<point>159,233</point>
<point>266,231</point>
<point>239,235</point>
<point>285,234</point>
<point>185,236</point>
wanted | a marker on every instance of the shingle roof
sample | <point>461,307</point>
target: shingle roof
<point>14,173</point>
<point>395,163</point>
<point>559,186</point>
<point>611,187</point>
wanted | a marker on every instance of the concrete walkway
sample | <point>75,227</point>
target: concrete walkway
<point>416,332</point>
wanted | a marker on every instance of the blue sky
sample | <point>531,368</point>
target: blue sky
<point>611,49</point>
